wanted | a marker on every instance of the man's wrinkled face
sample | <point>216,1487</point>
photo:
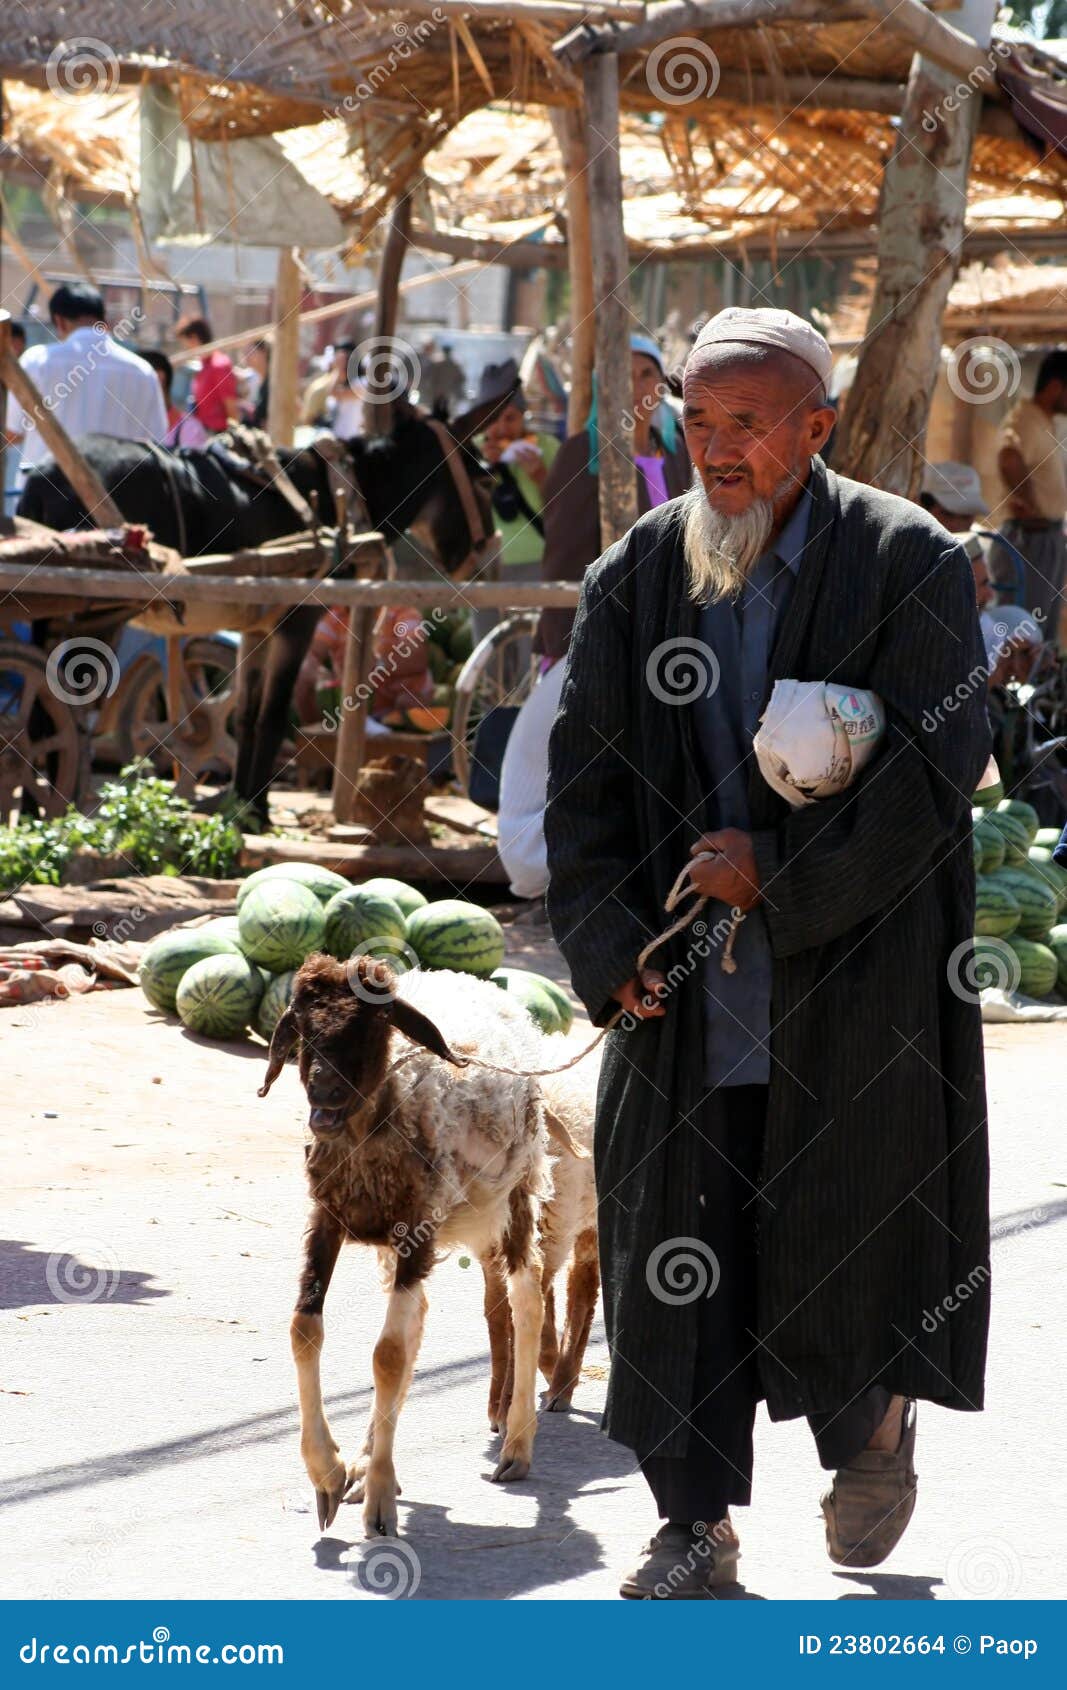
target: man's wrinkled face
<point>753,419</point>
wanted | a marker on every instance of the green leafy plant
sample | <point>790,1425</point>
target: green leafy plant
<point>138,817</point>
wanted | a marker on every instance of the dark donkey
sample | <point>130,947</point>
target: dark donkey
<point>197,503</point>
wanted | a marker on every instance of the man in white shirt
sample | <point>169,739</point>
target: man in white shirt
<point>86,379</point>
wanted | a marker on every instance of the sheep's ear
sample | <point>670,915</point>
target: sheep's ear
<point>285,1037</point>
<point>421,1030</point>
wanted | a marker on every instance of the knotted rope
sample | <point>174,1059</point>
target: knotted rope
<point>683,887</point>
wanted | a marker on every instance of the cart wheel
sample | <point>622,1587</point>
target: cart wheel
<point>42,751</point>
<point>201,742</point>
<point>500,670</point>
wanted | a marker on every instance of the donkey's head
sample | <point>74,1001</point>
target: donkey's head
<point>341,1019</point>
<point>408,485</point>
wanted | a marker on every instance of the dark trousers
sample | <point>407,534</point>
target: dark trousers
<point>716,1472</point>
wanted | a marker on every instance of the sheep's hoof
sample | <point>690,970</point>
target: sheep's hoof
<point>357,1483</point>
<point>328,1502</point>
<point>379,1510</point>
<point>510,1468</point>
<point>560,1403</point>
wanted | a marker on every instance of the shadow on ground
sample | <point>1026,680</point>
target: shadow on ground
<point>29,1277</point>
<point>440,1557</point>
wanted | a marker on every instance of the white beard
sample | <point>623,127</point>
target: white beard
<point>721,550</point>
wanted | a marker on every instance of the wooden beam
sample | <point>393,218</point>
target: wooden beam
<point>683,17</point>
<point>939,42</point>
<point>318,313</point>
<point>283,406</point>
<point>6,524</point>
<point>826,93</point>
<point>83,478</point>
<point>569,131</point>
<point>512,11</point>
<point>74,582</point>
<point>611,272</point>
<point>384,374</point>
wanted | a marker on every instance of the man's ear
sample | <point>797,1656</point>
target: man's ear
<point>421,1030</point>
<point>285,1036</point>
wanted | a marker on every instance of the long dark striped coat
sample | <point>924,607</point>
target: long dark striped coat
<point>873,1254</point>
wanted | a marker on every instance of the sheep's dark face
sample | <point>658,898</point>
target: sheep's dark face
<point>341,1017</point>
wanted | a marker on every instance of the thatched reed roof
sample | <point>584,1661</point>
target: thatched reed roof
<point>368,99</point>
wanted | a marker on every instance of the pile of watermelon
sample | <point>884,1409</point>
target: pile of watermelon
<point>236,973</point>
<point>1021,896</point>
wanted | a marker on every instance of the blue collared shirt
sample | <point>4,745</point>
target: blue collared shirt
<point>741,634</point>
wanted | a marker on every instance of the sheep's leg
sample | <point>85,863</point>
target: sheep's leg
<point>322,1458</point>
<point>549,1341</point>
<point>394,1363</point>
<point>583,1284</point>
<point>498,1320</point>
<point>527,1315</point>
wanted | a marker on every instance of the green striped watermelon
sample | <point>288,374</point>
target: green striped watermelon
<point>1015,833</point>
<point>357,917</point>
<point>322,881</point>
<point>1022,811</point>
<point>219,996</point>
<point>455,934</point>
<point>225,924</point>
<point>1038,905</point>
<point>168,957</point>
<point>1040,860</point>
<point>273,1003</point>
<point>996,908</point>
<point>991,841</point>
<point>403,895</point>
<point>990,788</point>
<point>520,981</point>
<point>1057,944</point>
<point>529,990</point>
<point>1038,967</point>
<point>281,923</point>
<point>994,965</point>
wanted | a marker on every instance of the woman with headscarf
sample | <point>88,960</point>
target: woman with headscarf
<point>572,541</point>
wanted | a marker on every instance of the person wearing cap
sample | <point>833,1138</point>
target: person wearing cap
<point>1034,477</point>
<point>952,493</point>
<point>791,1157</point>
<point>571,543</point>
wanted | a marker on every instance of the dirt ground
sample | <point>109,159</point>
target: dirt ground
<point>154,1214</point>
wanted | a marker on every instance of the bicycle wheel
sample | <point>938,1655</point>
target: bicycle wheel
<point>500,670</point>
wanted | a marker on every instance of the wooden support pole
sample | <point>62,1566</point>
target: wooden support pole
<point>6,524</point>
<point>570,135</point>
<point>284,402</point>
<point>98,502</point>
<point>353,711</point>
<point>920,239</point>
<point>386,371</point>
<point>611,269</point>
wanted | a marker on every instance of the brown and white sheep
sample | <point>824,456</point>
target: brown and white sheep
<point>412,1153</point>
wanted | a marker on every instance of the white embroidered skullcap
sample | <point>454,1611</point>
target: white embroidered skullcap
<point>767,327</point>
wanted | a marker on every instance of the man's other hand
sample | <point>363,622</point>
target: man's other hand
<point>730,874</point>
<point>639,997</point>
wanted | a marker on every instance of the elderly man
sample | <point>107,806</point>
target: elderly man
<point>791,1157</point>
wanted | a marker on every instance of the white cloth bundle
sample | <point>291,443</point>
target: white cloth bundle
<point>815,737</point>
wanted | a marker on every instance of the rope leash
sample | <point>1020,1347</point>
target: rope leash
<point>683,888</point>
